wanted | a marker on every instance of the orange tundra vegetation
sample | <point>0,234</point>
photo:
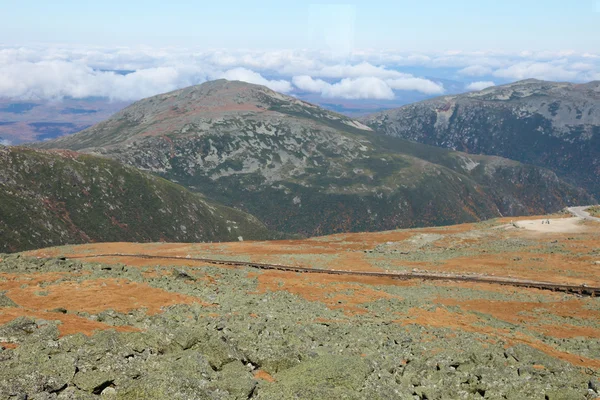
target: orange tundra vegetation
<point>554,255</point>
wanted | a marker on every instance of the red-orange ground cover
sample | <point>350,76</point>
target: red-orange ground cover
<point>574,264</point>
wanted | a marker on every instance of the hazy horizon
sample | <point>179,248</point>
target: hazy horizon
<point>379,51</point>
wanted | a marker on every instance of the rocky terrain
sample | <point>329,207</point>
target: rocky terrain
<point>51,198</point>
<point>135,328</point>
<point>548,124</point>
<point>302,169</point>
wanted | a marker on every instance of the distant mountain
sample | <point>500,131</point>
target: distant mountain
<point>50,198</point>
<point>27,121</point>
<point>549,124</point>
<point>303,169</point>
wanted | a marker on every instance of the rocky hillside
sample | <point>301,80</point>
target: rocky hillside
<point>553,125</point>
<point>300,168</point>
<point>132,328</point>
<point>51,198</point>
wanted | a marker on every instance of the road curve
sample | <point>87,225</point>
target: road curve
<point>581,213</point>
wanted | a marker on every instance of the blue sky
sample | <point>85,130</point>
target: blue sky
<point>427,25</point>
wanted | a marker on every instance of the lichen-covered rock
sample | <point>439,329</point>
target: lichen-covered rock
<point>175,376</point>
<point>37,365</point>
<point>323,377</point>
<point>278,345</point>
<point>236,380</point>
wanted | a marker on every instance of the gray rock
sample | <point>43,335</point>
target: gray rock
<point>594,384</point>
<point>325,377</point>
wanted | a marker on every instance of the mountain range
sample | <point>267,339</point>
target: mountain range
<point>549,124</point>
<point>27,121</point>
<point>302,169</point>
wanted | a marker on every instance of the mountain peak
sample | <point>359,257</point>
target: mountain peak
<point>534,87</point>
<point>222,91</point>
<point>527,81</point>
<point>222,96</point>
<point>209,87</point>
<point>199,110</point>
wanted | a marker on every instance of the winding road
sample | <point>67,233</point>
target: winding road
<point>581,213</point>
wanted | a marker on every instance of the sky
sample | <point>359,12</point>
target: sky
<point>426,25</point>
<point>376,50</point>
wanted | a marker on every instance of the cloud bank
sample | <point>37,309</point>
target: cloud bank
<point>132,73</point>
<point>348,88</point>
<point>366,87</point>
<point>246,75</point>
<point>473,86</point>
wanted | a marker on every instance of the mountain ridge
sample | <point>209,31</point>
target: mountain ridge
<point>555,125</point>
<point>302,169</point>
<point>63,197</point>
<point>194,104</point>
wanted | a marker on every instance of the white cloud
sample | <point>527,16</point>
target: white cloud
<point>479,85</point>
<point>246,75</point>
<point>545,71</point>
<point>4,142</point>
<point>581,66</point>
<point>475,70</point>
<point>417,84</point>
<point>359,88</point>
<point>393,79</point>
<point>308,84</point>
<point>357,71</point>
<point>57,79</point>
<point>58,71</point>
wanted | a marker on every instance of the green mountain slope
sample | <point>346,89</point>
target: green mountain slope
<point>548,124</point>
<point>51,198</point>
<point>302,169</point>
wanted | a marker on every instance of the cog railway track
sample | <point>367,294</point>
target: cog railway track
<point>582,290</point>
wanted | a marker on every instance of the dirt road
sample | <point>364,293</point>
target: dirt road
<point>553,225</point>
<point>581,213</point>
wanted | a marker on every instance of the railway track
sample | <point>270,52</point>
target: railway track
<point>582,290</point>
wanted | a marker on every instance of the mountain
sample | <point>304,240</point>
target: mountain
<point>54,198</point>
<point>300,168</point>
<point>27,121</point>
<point>548,124</point>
